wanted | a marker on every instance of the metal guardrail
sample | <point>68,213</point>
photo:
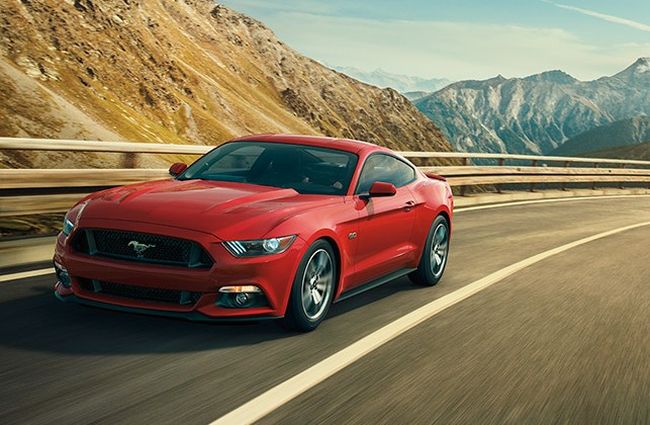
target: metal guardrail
<point>61,145</point>
<point>516,157</point>
<point>35,183</point>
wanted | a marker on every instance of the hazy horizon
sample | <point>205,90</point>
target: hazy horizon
<point>465,40</point>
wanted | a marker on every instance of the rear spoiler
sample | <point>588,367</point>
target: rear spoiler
<point>435,177</point>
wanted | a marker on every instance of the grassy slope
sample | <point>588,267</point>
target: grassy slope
<point>617,134</point>
<point>639,151</point>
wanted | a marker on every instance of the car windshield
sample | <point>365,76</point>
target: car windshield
<point>306,169</point>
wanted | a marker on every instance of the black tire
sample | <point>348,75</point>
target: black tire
<point>428,273</point>
<point>298,315</point>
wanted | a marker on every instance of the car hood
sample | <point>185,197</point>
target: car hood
<point>224,209</point>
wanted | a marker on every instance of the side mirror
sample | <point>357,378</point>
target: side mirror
<point>381,189</point>
<point>177,168</point>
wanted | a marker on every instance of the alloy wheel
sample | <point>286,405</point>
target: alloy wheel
<point>317,284</point>
<point>439,249</point>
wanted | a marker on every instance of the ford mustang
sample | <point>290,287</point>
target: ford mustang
<point>267,226</point>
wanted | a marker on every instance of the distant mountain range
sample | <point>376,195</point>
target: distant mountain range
<point>415,95</point>
<point>399,82</point>
<point>177,72</point>
<point>618,134</point>
<point>535,114</point>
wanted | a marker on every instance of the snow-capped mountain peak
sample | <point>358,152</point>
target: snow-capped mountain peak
<point>642,65</point>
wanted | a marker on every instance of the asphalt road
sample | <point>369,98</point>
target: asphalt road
<point>566,340</point>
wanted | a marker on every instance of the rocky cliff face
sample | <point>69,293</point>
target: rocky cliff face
<point>535,114</point>
<point>184,71</point>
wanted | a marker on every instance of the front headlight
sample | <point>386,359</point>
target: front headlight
<point>259,247</point>
<point>68,226</point>
<point>72,218</point>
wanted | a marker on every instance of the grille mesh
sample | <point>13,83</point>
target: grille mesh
<point>142,247</point>
<point>169,296</point>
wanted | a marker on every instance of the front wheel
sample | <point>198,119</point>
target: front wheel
<point>313,288</point>
<point>434,256</point>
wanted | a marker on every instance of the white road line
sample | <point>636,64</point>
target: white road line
<point>282,393</point>
<point>25,275</point>
<point>544,201</point>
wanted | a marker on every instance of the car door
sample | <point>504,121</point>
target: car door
<point>385,235</point>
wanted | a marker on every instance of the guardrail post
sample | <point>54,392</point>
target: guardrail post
<point>463,188</point>
<point>567,164</point>
<point>532,185</point>
<point>497,186</point>
<point>620,186</point>
<point>130,160</point>
<point>593,185</point>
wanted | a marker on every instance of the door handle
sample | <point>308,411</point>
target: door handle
<point>409,205</point>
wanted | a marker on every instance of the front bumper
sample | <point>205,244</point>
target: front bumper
<point>274,274</point>
<point>190,315</point>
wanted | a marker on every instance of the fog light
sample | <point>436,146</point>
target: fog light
<point>241,296</point>
<point>62,275</point>
<point>241,299</point>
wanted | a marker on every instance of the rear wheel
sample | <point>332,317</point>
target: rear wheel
<point>434,256</point>
<point>313,288</point>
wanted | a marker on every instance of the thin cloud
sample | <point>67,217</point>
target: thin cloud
<point>456,50</point>
<point>609,18</point>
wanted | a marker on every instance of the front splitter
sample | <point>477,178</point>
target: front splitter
<point>190,315</point>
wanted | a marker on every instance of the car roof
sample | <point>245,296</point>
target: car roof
<point>349,145</point>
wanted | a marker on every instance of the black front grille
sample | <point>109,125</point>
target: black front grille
<point>142,247</point>
<point>159,295</point>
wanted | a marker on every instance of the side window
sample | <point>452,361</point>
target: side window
<point>384,168</point>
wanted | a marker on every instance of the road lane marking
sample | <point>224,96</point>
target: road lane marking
<point>25,275</point>
<point>544,201</point>
<point>286,391</point>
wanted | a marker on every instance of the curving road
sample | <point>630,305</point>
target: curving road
<point>565,340</point>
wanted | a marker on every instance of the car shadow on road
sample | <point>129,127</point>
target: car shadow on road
<point>38,321</point>
<point>371,296</point>
<point>32,319</point>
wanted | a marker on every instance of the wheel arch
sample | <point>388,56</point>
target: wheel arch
<point>445,214</point>
<point>339,263</point>
<point>332,242</point>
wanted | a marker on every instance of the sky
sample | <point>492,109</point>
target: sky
<point>463,39</point>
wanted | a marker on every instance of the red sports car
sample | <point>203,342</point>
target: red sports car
<point>268,226</point>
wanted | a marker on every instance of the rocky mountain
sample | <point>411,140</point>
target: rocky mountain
<point>399,82</point>
<point>538,113</point>
<point>617,134</point>
<point>177,71</point>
